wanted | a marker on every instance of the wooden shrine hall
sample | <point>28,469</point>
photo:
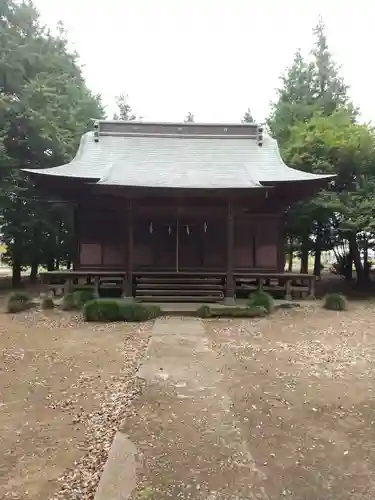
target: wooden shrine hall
<point>179,211</point>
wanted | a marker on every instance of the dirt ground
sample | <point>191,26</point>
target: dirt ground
<point>65,387</point>
<point>271,408</point>
<point>299,387</point>
<point>302,386</point>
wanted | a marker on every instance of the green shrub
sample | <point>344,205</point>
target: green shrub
<point>82,296</point>
<point>238,312</point>
<point>16,306</point>
<point>19,301</point>
<point>105,310</point>
<point>20,297</point>
<point>262,299</point>
<point>335,302</point>
<point>108,310</point>
<point>204,311</point>
<point>74,301</point>
<point>69,303</point>
<point>231,312</point>
<point>139,312</point>
<point>47,303</point>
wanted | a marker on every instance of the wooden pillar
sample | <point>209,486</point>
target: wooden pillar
<point>280,243</point>
<point>130,224</point>
<point>178,241</point>
<point>230,290</point>
<point>76,252</point>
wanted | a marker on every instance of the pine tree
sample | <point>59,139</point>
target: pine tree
<point>189,118</point>
<point>309,86</point>
<point>125,111</point>
<point>248,117</point>
<point>295,100</point>
<point>330,93</point>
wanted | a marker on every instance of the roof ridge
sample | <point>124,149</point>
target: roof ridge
<point>176,136</point>
<point>182,124</point>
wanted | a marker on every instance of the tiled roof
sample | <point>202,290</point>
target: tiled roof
<point>186,160</point>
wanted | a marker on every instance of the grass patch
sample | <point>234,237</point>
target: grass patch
<point>335,302</point>
<point>288,305</point>
<point>206,311</point>
<point>109,310</point>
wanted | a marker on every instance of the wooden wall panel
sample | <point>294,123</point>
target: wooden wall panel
<point>143,241</point>
<point>90,254</point>
<point>101,224</point>
<point>244,243</point>
<point>214,254</point>
<point>267,238</point>
<point>114,254</point>
<point>102,235</point>
<point>102,232</point>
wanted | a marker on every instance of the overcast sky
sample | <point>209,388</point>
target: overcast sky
<point>214,58</point>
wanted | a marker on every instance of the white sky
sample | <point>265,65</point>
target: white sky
<point>214,58</point>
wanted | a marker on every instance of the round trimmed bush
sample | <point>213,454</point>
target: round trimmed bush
<point>105,310</point>
<point>262,299</point>
<point>69,303</point>
<point>335,302</point>
<point>204,311</point>
<point>16,306</point>
<point>47,303</point>
<point>83,296</point>
<point>19,301</point>
<point>108,310</point>
<point>20,296</point>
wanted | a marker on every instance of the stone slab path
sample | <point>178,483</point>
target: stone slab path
<point>188,442</point>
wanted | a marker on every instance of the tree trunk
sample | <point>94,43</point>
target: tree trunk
<point>34,272</point>
<point>16,274</point>
<point>290,255</point>
<point>305,256</point>
<point>349,267</point>
<point>366,266</point>
<point>353,245</point>
<point>51,265</point>
<point>318,251</point>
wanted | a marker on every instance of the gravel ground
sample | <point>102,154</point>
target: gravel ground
<point>302,385</point>
<point>65,388</point>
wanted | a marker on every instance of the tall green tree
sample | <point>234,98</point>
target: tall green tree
<point>248,117</point>
<point>45,107</point>
<point>329,90</point>
<point>337,145</point>
<point>189,118</point>
<point>311,85</point>
<point>125,111</point>
<point>295,100</point>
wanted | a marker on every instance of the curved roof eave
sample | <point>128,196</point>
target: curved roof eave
<point>154,160</point>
